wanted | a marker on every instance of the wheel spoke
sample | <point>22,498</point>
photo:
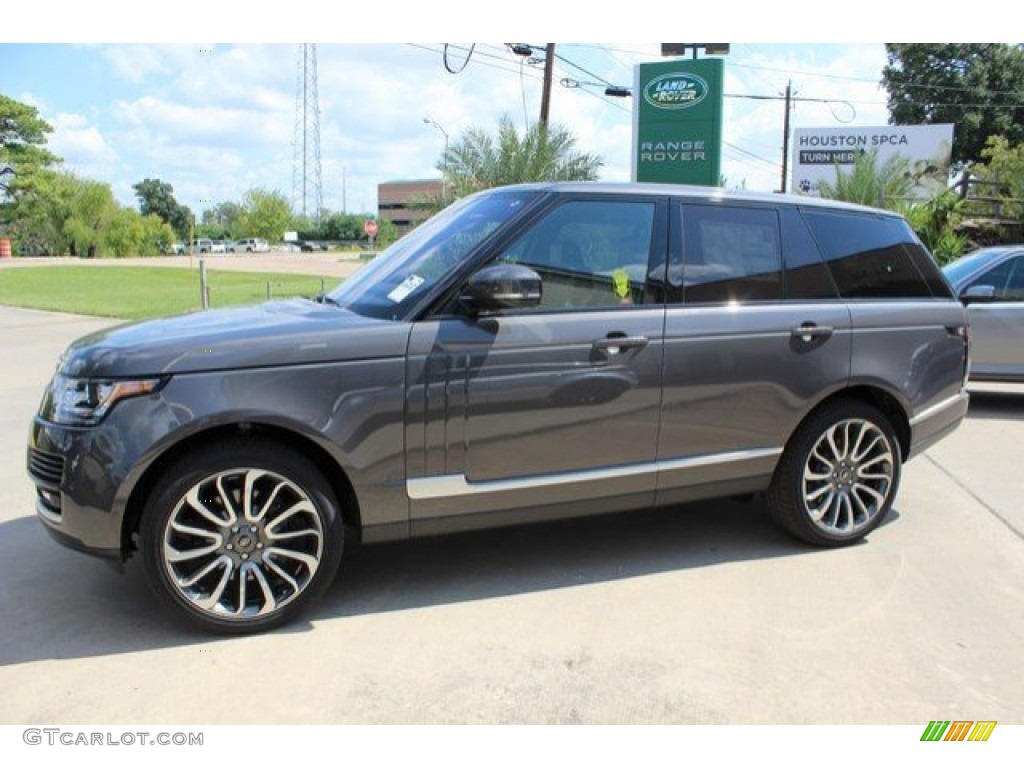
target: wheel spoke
<point>308,560</point>
<point>856,443</point>
<point>294,535</point>
<point>819,512</point>
<point>269,503</point>
<point>830,463</point>
<point>250,479</point>
<point>281,573</point>
<point>183,555</point>
<point>837,454</point>
<point>227,501</point>
<point>197,504</point>
<point>269,601</point>
<point>860,487</point>
<point>189,530</point>
<point>846,507</point>
<point>881,457</point>
<point>221,562</point>
<point>301,506</point>
<point>825,488</point>
<point>210,603</point>
<point>864,510</point>
<point>870,447</point>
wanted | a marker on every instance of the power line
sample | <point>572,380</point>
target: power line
<point>827,76</point>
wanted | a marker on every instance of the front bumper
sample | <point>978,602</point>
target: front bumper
<point>83,475</point>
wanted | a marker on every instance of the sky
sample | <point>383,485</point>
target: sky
<point>216,119</point>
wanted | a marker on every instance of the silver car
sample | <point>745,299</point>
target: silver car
<point>990,282</point>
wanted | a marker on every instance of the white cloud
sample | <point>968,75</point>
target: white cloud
<point>81,144</point>
<point>215,119</point>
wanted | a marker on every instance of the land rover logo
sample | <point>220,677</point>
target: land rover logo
<point>676,90</point>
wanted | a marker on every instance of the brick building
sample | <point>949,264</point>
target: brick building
<point>408,203</point>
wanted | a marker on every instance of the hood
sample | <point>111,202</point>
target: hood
<point>292,332</point>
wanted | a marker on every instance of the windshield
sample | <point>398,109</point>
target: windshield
<point>963,268</point>
<point>409,269</point>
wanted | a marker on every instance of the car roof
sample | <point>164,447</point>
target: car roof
<point>702,193</point>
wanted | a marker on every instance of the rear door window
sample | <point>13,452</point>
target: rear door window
<point>730,254</point>
<point>807,277</point>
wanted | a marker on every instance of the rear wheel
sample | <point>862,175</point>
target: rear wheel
<point>839,474</point>
<point>240,536</point>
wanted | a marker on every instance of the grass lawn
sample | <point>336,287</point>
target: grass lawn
<point>141,292</point>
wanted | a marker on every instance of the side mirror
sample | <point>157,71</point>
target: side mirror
<point>978,293</point>
<point>502,286</point>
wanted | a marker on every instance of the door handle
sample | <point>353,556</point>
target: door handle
<point>615,343</point>
<point>808,332</point>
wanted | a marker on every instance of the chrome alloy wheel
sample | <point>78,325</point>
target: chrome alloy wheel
<point>242,543</point>
<point>848,476</point>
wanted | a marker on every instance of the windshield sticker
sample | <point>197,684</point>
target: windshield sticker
<point>407,286</point>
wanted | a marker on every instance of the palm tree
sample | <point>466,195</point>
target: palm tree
<point>869,183</point>
<point>543,153</point>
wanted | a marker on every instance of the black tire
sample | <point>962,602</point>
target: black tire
<point>838,476</point>
<point>240,536</point>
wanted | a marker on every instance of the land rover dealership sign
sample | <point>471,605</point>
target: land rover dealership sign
<point>819,152</point>
<point>677,122</point>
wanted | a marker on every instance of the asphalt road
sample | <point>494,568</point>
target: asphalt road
<point>699,614</point>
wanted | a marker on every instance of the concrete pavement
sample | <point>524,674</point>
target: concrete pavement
<point>700,614</point>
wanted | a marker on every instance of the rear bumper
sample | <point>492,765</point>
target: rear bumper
<point>935,422</point>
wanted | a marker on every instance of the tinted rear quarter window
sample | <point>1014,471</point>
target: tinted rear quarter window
<point>923,261</point>
<point>866,256</point>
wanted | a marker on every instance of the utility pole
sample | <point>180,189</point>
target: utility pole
<point>785,138</point>
<point>545,99</point>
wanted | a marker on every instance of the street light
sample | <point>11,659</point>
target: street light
<point>444,160</point>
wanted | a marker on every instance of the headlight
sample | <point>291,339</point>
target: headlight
<point>84,402</point>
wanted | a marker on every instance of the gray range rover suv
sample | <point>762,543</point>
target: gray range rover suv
<point>530,353</point>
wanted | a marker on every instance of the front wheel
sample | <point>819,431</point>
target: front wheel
<point>838,477</point>
<point>240,536</point>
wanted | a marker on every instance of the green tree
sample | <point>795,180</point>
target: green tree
<point>869,183</point>
<point>342,226</point>
<point>22,136</point>
<point>979,87</point>
<point>225,219</point>
<point>1003,164</point>
<point>267,214</point>
<point>543,153</point>
<point>128,233</point>
<point>935,221</point>
<point>157,197</point>
<point>92,208</point>
<point>387,233</point>
<point>25,173</point>
<point>38,211</point>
